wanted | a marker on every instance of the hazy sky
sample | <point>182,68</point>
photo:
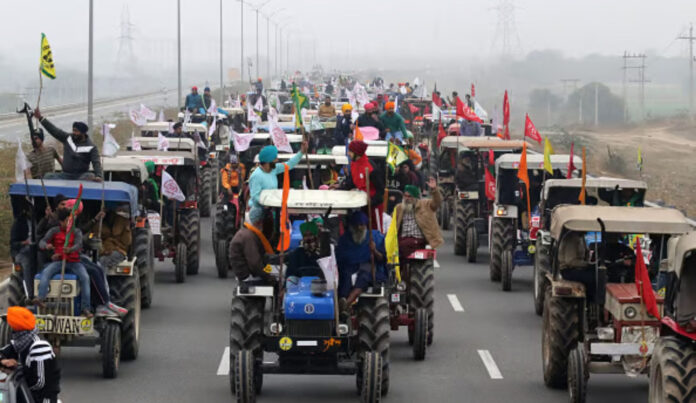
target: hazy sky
<point>345,31</point>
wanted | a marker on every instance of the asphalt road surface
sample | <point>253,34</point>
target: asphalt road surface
<point>487,348</point>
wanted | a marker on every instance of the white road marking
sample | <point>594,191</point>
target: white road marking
<point>492,368</point>
<point>456,305</point>
<point>224,367</point>
<point>436,264</point>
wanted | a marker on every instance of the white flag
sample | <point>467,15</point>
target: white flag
<point>162,142</point>
<point>280,139</point>
<point>251,116</point>
<point>238,102</point>
<point>170,189</point>
<point>147,113</point>
<point>137,117</point>
<point>21,163</point>
<point>135,144</point>
<point>213,126</point>
<point>437,112</point>
<point>161,116</point>
<point>273,114</point>
<point>259,103</point>
<point>110,146</point>
<point>187,117</point>
<point>480,112</point>
<point>241,141</point>
<point>213,107</point>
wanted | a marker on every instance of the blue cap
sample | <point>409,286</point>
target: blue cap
<point>268,154</point>
<point>358,218</point>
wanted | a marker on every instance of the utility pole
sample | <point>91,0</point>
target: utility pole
<point>596,104</point>
<point>178,50</point>
<point>625,101</point>
<point>90,67</point>
<point>691,39</point>
<point>241,28</point>
<point>287,52</point>
<point>258,74</point>
<point>268,49</point>
<point>222,83</point>
<point>641,76</point>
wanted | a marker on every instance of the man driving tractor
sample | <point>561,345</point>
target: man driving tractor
<point>248,249</point>
<point>416,221</point>
<point>232,175</point>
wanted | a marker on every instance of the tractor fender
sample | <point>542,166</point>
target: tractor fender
<point>566,289</point>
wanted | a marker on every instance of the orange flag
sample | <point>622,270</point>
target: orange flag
<point>358,134</point>
<point>581,198</point>
<point>285,228</point>
<point>523,175</point>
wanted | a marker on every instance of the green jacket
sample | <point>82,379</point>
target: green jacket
<point>394,123</point>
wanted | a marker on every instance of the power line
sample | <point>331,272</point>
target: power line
<point>691,39</point>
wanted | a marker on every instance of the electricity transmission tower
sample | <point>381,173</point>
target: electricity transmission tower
<point>634,62</point>
<point>125,58</point>
<point>691,38</point>
<point>506,39</point>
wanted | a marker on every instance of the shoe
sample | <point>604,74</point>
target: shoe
<point>117,309</point>
<point>38,302</point>
<point>87,313</point>
<point>102,310</point>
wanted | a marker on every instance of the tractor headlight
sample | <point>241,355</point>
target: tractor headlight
<point>531,249</point>
<point>342,329</point>
<point>67,289</point>
<point>630,312</point>
<point>275,328</point>
<point>401,286</point>
<point>605,333</point>
<point>501,211</point>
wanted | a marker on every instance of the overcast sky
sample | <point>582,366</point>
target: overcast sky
<point>360,32</point>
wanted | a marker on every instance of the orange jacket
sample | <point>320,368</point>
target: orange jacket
<point>230,177</point>
<point>415,157</point>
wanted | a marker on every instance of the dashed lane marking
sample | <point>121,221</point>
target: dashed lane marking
<point>436,264</point>
<point>492,368</point>
<point>224,367</point>
<point>454,301</point>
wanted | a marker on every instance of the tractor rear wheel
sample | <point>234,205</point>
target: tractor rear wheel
<point>422,291</point>
<point>502,237</point>
<point>180,262</point>
<point>506,267</point>
<point>246,330</point>
<point>190,232</point>
<point>463,219</point>
<point>672,367</point>
<point>142,245</point>
<point>578,375</point>
<point>125,291</point>
<point>445,214</point>
<point>420,334</point>
<point>204,198</point>
<point>560,334</point>
<point>373,336</point>
<point>541,267</point>
<point>221,261</point>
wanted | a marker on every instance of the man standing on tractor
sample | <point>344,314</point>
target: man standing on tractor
<point>327,110</point>
<point>357,180</point>
<point>416,221</point>
<point>344,125</point>
<point>34,356</point>
<point>248,249</point>
<point>78,152</point>
<point>206,98</point>
<point>394,125</point>
<point>353,255</point>
<point>42,156</point>
<point>266,175</point>
<point>259,86</point>
<point>232,175</point>
<point>194,102</point>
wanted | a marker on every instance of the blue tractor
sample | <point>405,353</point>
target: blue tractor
<point>299,319</point>
<point>60,321</point>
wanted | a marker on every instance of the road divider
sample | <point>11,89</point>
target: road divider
<point>491,367</point>
<point>454,301</point>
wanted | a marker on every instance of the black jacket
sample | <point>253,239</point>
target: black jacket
<point>40,367</point>
<point>76,156</point>
<point>342,131</point>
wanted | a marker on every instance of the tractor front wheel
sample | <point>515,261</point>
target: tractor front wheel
<point>560,334</point>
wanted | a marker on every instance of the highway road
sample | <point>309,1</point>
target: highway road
<point>10,129</point>
<point>487,348</point>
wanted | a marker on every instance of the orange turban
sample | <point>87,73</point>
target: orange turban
<point>389,106</point>
<point>20,318</point>
<point>346,107</point>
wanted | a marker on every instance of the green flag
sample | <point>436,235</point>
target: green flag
<point>395,156</point>
<point>300,101</point>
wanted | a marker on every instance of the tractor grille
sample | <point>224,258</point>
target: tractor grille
<point>310,328</point>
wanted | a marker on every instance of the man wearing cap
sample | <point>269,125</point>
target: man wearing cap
<point>357,179</point>
<point>353,257</point>
<point>344,125</point>
<point>394,125</point>
<point>415,220</point>
<point>207,98</point>
<point>78,152</point>
<point>371,119</point>
<point>36,356</point>
<point>266,176</point>
<point>41,156</point>
<point>193,102</point>
<point>248,250</point>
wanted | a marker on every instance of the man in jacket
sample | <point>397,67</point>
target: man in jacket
<point>327,110</point>
<point>78,152</point>
<point>394,125</point>
<point>42,156</point>
<point>36,356</point>
<point>194,102</point>
<point>416,221</point>
<point>248,249</point>
<point>344,125</point>
<point>371,118</point>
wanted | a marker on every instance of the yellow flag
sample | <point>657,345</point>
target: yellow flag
<point>46,65</point>
<point>548,150</point>
<point>391,244</point>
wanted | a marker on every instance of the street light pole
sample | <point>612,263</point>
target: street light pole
<point>257,43</point>
<point>241,25</point>
<point>90,66</point>
<point>178,50</point>
<point>222,83</point>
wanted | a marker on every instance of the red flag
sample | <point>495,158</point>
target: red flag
<point>436,99</point>
<point>490,178</point>
<point>531,131</point>
<point>571,164</point>
<point>441,134</point>
<point>506,110</point>
<point>473,90</point>
<point>466,112</point>
<point>643,284</point>
<point>506,134</point>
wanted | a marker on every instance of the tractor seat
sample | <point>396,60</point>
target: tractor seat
<point>571,252</point>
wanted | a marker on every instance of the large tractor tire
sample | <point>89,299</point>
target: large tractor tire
<point>204,204</point>
<point>420,334</point>
<point>445,214</point>
<point>542,265</point>
<point>422,291</point>
<point>502,237</point>
<point>560,334</point>
<point>672,369</point>
<point>214,181</point>
<point>125,291</point>
<point>243,374</point>
<point>463,219</point>
<point>471,244</point>
<point>578,375</point>
<point>221,260</point>
<point>180,262</point>
<point>142,246</point>
<point>190,232</point>
<point>373,336</point>
<point>5,332</point>
<point>371,383</point>
<point>15,290</point>
<point>506,267</point>
<point>246,331</point>
<point>111,349</point>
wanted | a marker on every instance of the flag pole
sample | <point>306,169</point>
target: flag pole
<point>38,100</point>
<point>369,228</point>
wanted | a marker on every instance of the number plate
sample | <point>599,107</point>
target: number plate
<point>396,297</point>
<point>63,324</point>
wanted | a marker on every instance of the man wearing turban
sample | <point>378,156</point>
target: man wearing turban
<point>394,125</point>
<point>359,165</point>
